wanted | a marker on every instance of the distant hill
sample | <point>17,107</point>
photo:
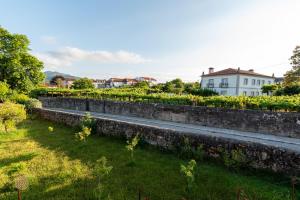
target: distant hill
<point>51,74</point>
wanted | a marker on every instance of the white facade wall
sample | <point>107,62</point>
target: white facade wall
<point>229,91</point>
<point>235,87</point>
<point>253,89</point>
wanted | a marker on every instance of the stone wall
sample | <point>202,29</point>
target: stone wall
<point>257,155</point>
<point>276,123</point>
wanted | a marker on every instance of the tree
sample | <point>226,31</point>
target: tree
<point>142,84</point>
<point>83,83</point>
<point>292,76</point>
<point>58,81</point>
<point>10,114</point>
<point>174,86</point>
<point>269,88</point>
<point>18,67</point>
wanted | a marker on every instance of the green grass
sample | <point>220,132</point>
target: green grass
<point>59,167</point>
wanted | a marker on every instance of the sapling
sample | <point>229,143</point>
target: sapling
<point>82,135</point>
<point>131,145</point>
<point>101,170</point>
<point>189,172</point>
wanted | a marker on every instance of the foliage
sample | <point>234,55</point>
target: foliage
<point>203,92</point>
<point>65,170</point>
<point>87,121</point>
<point>101,170</point>
<point>11,114</point>
<point>292,89</point>
<point>83,83</point>
<point>50,129</point>
<point>293,76</point>
<point>33,103</point>
<point>18,97</point>
<point>175,86</point>
<point>18,67</point>
<point>189,172</point>
<point>57,80</point>
<point>131,145</point>
<point>142,84</point>
<point>4,90</point>
<point>269,88</point>
<point>273,103</point>
<point>234,159</point>
<point>83,134</point>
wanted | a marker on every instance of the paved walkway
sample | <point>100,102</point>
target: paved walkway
<point>292,144</point>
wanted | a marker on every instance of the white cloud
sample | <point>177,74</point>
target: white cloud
<point>69,55</point>
<point>49,40</point>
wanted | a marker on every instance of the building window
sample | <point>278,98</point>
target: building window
<point>263,82</point>
<point>258,82</point>
<point>269,82</point>
<point>223,92</point>
<point>224,83</point>
<point>245,81</point>
<point>245,93</point>
<point>210,83</point>
<point>253,81</point>
<point>257,93</point>
<point>252,93</point>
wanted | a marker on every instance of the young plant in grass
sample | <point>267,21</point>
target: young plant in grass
<point>189,173</point>
<point>131,145</point>
<point>84,134</point>
<point>101,171</point>
<point>86,127</point>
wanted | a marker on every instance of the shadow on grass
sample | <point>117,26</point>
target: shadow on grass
<point>8,161</point>
<point>157,172</point>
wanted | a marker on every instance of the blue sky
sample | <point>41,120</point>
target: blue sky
<point>164,39</point>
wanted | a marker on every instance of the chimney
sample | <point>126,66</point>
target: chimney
<point>210,70</point>
<point>251,70</point>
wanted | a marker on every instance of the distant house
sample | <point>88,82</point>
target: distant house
<point>119,82</point>
<point>151,81</point>
<point>235,82</point>
<point>99,83</point>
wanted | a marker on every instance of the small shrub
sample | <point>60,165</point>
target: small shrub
<point>11,114</point>
<point>131,145</point>
<point>88,121</point>
<point>82,135</point>
<point>189,172</point>
<point>50,129</point>
<point>234,159</point>
<point>33,103</point>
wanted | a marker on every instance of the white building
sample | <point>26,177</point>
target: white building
<point>235,82</point>
<point>151,81</point>
<point>99,83</point>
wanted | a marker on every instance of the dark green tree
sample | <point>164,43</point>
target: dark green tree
<point>292,77</point>
<point>175,86</point>
<point>83,83</point>
<point>18,68</point>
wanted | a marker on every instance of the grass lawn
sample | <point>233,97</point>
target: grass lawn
<point>59,167</point>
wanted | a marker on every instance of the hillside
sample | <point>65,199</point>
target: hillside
<point>51,74</point>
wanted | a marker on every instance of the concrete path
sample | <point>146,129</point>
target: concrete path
<point>292,144</point>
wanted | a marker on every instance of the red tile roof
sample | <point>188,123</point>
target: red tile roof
<point>231,71</point>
